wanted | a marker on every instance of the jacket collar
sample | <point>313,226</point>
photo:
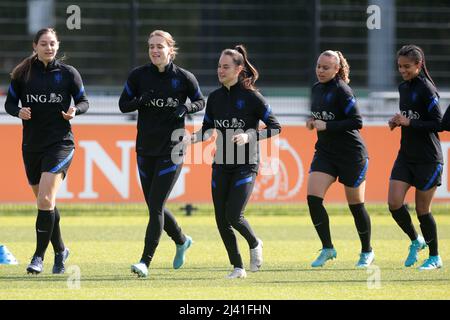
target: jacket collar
<point>54,64</point>
<point>233,88</point>
<point>167,69</point>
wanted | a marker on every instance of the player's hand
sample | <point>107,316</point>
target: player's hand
<point>401,120</point>
<point>320,125</point>
<point>392,124</point>
<point>25,113</point>
<point>70,114</point>
<point>310,124</point>
<point>240,139</point>
<point>143,99</point>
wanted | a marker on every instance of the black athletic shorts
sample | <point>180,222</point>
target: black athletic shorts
<point>55,159</point>
<point>349,174</point>
<point>423,176</point>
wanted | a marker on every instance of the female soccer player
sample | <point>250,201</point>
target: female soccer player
<point>340,153</point>
<point>158,91</point>
<point>419,161</point>
<point>234,111</point>
<point>45,86</point>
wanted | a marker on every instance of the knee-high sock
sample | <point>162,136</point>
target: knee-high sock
<point>429,231</point>
<point>319,217</point>
<point>44,230</point>
<point>57,241</point>
<point>403,219</point>
<point>363,226</point>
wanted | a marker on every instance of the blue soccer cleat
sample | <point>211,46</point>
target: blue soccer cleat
<point>417,245</point>
<point>36,265</point>
<point>433,262</point>
<point>365,259</point>
<point>180,255</point>
<point>60,258</point>
<point>325,255</point>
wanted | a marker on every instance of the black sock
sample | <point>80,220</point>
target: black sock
<point>146,260</point>
<point>429,231</point>
<point>319,217</point>
<point>362,222</point>
<point>239,265</point>
<point>44,230</point>
<point>57,242</point>
<point>403,219</point>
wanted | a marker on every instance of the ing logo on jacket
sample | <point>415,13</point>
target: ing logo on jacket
<point>227,124</point>
<point>324,115</point>
<point>412,115</point>
<point>42,98</point>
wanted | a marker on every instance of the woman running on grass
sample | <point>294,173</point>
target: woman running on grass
<point>158,91</point>
<point>340,154</point>
<point>45,86</point>
<point>419,161</point>
<point>234,111</point>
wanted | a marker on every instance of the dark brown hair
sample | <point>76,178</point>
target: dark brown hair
<point>415,54</point>
<point>23,69</point>
<point>249,74</point>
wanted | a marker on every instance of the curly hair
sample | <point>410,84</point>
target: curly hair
<point>344,67</point>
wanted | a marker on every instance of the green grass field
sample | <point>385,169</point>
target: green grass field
<point>105,240</point>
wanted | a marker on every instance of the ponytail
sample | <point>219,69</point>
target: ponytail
<point>249,74</point>
<point>344,68</point>
<point>23,69</point>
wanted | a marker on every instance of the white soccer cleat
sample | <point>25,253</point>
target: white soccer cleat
<point>140,269</point>
<point>237,273</point>
<point>256,257</point>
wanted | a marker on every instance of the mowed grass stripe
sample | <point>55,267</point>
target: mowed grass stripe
<point>103,247</point>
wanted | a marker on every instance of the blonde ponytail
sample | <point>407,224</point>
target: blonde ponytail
<point>344,68</point>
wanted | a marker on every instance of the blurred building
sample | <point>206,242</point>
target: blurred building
<point>283,36</point>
